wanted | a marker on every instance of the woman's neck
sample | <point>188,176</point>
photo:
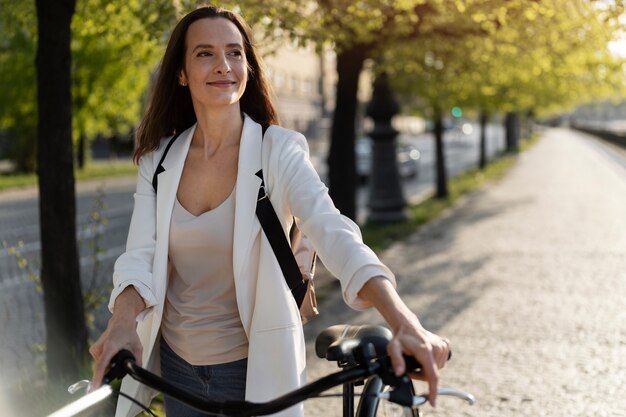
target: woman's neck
<point>217,129</point>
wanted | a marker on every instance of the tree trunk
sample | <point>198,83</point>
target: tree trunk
<point>341,156</point>
<point>66,333</point>
<point>440,165</point>
<point>483,139</point>
<point>82,143</point>
<point>511,124</point>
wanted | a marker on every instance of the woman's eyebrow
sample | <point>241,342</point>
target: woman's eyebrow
<point>203,46</point>
<point>209,46</point>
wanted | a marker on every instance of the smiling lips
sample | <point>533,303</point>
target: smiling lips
<point>221,83</point>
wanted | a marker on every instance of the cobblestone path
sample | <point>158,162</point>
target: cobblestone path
<point>528,280</point>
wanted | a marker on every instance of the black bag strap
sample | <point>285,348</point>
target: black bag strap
<point>159,168</point>
<point>278,241</point>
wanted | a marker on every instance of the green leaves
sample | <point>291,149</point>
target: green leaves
<point>519,54</point>
<point>18,107</point>
<point>479,53</point>
<point>116,45</point>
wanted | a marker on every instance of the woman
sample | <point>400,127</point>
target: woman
<point>198,295</point>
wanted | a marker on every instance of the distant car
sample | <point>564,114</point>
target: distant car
<point>407,156</point>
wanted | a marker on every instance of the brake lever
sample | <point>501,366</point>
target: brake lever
<point>78,385</point>
<point>116,371</point>
<point>466,396</point>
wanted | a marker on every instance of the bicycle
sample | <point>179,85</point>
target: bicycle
<point>360,352</point>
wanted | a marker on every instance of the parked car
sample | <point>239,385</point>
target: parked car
<point>407,156</point>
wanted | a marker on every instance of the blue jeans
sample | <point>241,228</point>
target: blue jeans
<point>220,382</point>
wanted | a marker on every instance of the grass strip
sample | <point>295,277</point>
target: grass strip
<point>93,170</point>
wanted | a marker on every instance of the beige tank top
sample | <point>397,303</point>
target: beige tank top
<point>201,320</point>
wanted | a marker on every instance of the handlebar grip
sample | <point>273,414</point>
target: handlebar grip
<point>413,365</point>
<point>117,371</point>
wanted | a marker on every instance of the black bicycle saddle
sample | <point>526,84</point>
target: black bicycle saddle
<point>336,343</point>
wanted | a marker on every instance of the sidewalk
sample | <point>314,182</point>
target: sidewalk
<point>528,280</point>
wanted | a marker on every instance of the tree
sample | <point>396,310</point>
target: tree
<point>111,68</point>
<point>66,332</point>
<point>112,64</point>
<point>18,109</point>
<point>360,31</point>
<point>432,67</point>
<point>356,29</point>
<point>487,61</point>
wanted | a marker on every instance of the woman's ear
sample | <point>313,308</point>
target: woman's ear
<point>182,78</point>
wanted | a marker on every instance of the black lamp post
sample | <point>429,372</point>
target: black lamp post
<point>386,201</point>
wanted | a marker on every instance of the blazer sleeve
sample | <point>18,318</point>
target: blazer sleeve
<point>336,238</point>
<point>134,266</point>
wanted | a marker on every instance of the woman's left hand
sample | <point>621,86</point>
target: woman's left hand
<point>410,338</point>
<point>430,350</point>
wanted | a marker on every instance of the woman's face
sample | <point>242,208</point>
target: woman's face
<point>216,70</point>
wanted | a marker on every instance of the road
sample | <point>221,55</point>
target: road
<point>21,311</point>
<point>21,307</point>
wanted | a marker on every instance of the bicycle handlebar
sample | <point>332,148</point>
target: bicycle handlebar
<point>124,362</point>
<point>364,362</point>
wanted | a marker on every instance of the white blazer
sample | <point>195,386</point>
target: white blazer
<point>270,317</point>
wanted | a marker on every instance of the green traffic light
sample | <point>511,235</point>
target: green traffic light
<point>456,111</point>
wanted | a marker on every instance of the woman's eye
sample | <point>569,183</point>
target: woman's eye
<point>236,53</point>
<point>204,53</point>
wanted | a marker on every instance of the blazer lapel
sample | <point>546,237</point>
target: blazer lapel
<point>247,225</point>
<point>169,180</point>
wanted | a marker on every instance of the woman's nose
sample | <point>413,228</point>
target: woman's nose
<point>222,66</point>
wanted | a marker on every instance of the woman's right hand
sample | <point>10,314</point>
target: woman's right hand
<point>121,333</point>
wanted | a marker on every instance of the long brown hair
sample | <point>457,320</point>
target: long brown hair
<point>170,109</point>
